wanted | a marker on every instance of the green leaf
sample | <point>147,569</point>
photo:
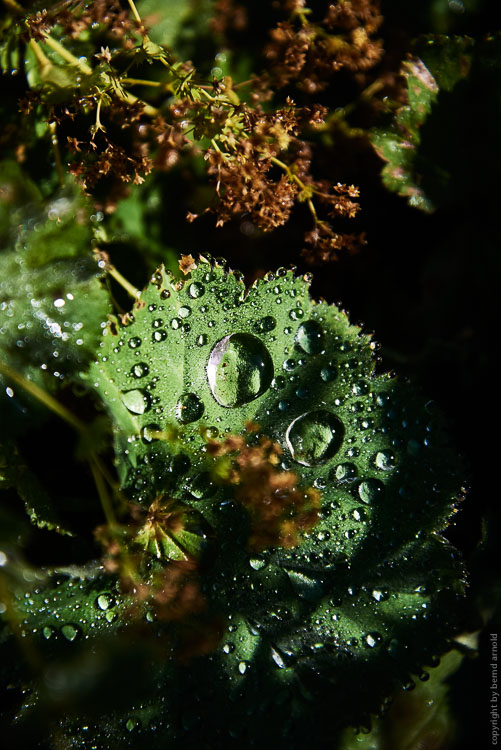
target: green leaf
<point>51,300</point>
<point>38,503</point>
<point>441,64</point>
<point>372,593</point>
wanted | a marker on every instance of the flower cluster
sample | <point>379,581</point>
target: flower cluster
<point>279,510</point>
<point>308,53</point>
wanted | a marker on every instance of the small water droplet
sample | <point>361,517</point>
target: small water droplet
<point>196,290</point>
<point>189,408</point>
<point>370,490</point>
<point>243,666</point>
<point>296,314</point>
<point>135,342</point>
<point>360,388</point>
<point>136,401</point>
<point>314,437</point>
<point>202,339</point>
<point>328,373</point>
<point>48,632</point>
<point>239,369</point>
<point>201,486</point>
<point>105,601</point>
<point>139,370</point>
<point>257,562</point>
<point>184,312</point>
<point>266,324</point>
<point>346,472</point>
<point>228,648</point>
<point>310,337</point>
<point>159,336</point>
<point>70,632</point>
<point>385,460</point>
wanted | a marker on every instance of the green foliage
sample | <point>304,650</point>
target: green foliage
<point>51,300</point>
<point>369,596</point>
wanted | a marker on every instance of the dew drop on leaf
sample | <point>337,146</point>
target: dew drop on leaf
<point>70,632</point>
<point>385,460</point>
<point>239,369</point>
<point>370,490</point>
<point>159,336</point>
<point>135,342</point>
<point>346,472</point>
<point>136,401</point>
<point>189,408</point>
<point>310,337</point>
<point>315,437</point>
<point>139,370</point>
<point>104,602</point>
<point>266,324</point>
<point>196,290</point>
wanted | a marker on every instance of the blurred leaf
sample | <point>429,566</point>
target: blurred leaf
<point>443,63</point>
<point>51,301</point>
<point>39,505</point>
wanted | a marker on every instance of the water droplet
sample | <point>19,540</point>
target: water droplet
<point>328,373</point>
<point>202,339</point>
<point>310,337</point>
<point>360,388</point>
<point>201,486</point>
<point>159,335</point>
<point>385,460</point>
<point>228,648</point>
<point>148,432</point>
<point>239,369</point>
<point>136,401</point>
<point>370,490</point>
<point>243,667</point>
<point>380,595</point>
<point>346,472</point>
<point>105,601</point>
<point>164,294</point>
<point>157,323</point>
<point>135,342</point>
<point>48,632</point>
<point>266,324</point>
<point>314,437</point>
<point>196,290</point>
<point>305,587</point>
<point>184,312</point>
<point>257,563</point>
<point>70,632</point>
<point>296,314</point>
<point>372,639</point>
<point>175,323</point>
<point>131,724</point>
<point>189,408</point>
<point>139,370</point>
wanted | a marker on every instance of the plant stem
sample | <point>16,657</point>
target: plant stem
<point>129,288</point>
<point>104,497</point>
<point>57,153</point>
<point>40,54</point>
<point>66,55</point>
<point>45,398</point>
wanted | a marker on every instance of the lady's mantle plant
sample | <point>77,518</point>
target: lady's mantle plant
<point>276,567</point>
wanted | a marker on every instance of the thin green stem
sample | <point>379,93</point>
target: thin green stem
<point>57,153</point>
<point>140,82</point>
<point>135,12</point>
<point>45,398</point>
<point>40,55</point>
<point>104,497</point>
<point>66,55</point>
<point>129,288</point>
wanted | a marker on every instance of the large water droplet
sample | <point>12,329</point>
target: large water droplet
<point>370,490</point>
<point>239,369</point>
<point>189,408</point>
<point>315,437</point>
<point>104,602</point>
<point>136,401</point>
<point>310,337</point>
